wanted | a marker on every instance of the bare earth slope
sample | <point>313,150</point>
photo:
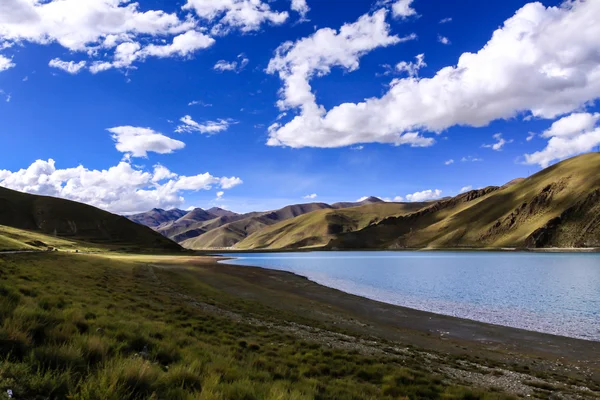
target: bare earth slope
<point>557,207</point>
<point>156,217</point>
<point>72,220</point>
<point>319,227</point>
<point>231,233</point>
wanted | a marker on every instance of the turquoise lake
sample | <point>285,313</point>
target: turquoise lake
<point>551,293</point>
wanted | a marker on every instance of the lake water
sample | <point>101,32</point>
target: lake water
<point>552,293</point>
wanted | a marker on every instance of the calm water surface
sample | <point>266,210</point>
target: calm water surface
<point>552,293</point>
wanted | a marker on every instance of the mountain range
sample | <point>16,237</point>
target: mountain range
<point>557,207</point>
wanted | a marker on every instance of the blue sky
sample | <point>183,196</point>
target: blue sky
<point>131,106</point>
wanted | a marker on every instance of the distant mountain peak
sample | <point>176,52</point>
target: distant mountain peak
<point>372,199</point>
<point>221,212</point>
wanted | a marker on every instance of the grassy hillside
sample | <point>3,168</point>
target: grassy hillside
<point>319,227</point>
<point>79,222</point>
<point>557,207</point>
<point>231,233</point>
<point>131,328</point>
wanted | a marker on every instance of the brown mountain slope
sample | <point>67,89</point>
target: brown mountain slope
<point>219,212</point>
<point>156,217</point>
<point>231,233</point>
<point>555,207</point>
<point>317,228</point>
<point>72,220</point>
<point>346,204</point>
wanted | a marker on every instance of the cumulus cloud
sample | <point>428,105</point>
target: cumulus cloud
<point>210,127</point>
<point>571,135</point>
<point>121,189</point>
<point>245,15</point>
<point>138,141</point>
<point>182,45</point>
<point>228,183</point>
<point>300,7</point>
<point>443,39</point>
<point>99,28</point>
<point>448,162</point>
<point>412,68</point>
<point>5,63</point>
<point>220,195</point>
<point>297,63</point>
<point>425,195</point>
<point>403,9</point>
<point>572,125</point>
<point>466,189</point>
<point>234,66</point>
<point>71,67</point>
<point>536,63</point>
<point>310,196</point>
<point>500,143</point>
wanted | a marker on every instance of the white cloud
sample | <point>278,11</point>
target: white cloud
<point>297,63</point>
<point>121,189</point>
<point>403,9</point>
<point>68,66</point>
<point>161,173</point>
<point>466,189</point>
<point>357,148</point>
<point>5,63</point>
<point>572,125</point>
<point>220,195</point>
<point>199,103</point>
<point>536,63</point>
<point>300,7</point>
<point>425,195</point>
<point>531,136</point>
<point>234,66</point>
<point>97,27</point>
<point>245,15</point>
<point>500,143</point>
<point>209,127</point>
<point>139,141</point>
<point>310,196</point>
<point>412,68</point>
<point>450,161</point>
<point>446,20</point>
<point>228,183</point>
<point>443,39</point>
<point>569,136</point>
<point>471,159</point>
<point>183,45</point>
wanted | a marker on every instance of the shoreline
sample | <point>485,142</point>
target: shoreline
<point>549,250</point>
<point>420,328</point>
<point>225,261</point>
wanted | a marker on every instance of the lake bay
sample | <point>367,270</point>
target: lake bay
<point>550,293</point>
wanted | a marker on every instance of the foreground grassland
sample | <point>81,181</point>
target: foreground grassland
<point>124,327</point>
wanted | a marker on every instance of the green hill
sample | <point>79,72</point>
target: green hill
<point>59,218</point>
<point>319,227</point>
<point>557,207</point>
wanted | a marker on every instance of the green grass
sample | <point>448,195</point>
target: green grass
<point>84,327</point>
<point>20,239</point>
